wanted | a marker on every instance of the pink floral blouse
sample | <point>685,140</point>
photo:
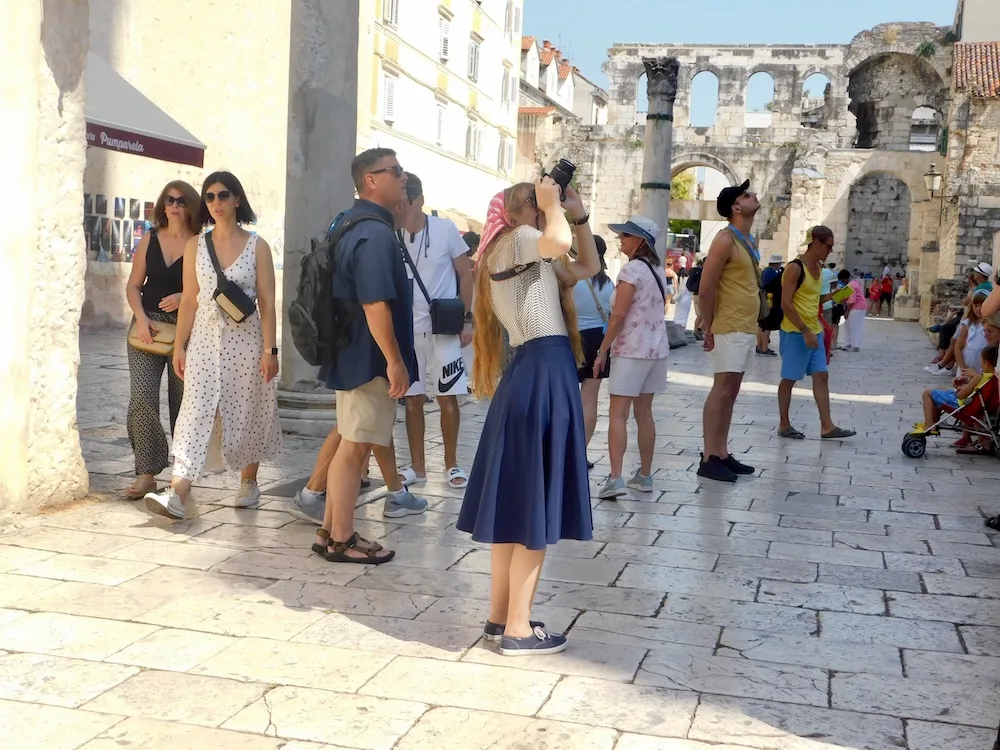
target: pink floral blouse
<point>644,335</point>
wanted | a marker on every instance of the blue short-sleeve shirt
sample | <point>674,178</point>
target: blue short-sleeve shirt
<point>368,268</point>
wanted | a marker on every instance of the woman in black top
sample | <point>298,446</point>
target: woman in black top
<point>154,293</point>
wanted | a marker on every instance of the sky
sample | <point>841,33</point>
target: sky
<point>585,29</point>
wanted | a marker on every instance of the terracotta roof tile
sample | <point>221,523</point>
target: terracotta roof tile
<point>527,42</point>
<point>977,68</point>
<point>535,110</point>
<point>564,70</point>
<point>546,56</point>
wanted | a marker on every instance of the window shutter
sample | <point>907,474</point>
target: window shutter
<point>479,143</point>
<point>389,103</point>
<point>512,96</point>
<point>440,124</point>
<point>445,39</point>
<point>505,87</point>
<point>473,61</point>
<point>508,24</point>
<point>469,136</point>
<point>390,13</point>
<point>510,156</point>
<point>517,20</point>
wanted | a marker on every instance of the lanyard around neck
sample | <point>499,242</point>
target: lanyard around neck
<point>748,241</point>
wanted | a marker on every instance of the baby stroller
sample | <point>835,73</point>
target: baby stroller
<point>978,417</point>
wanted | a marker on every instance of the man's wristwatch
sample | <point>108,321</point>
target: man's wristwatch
<point>581,221</point>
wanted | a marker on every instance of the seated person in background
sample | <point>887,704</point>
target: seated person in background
<point>938,400</point>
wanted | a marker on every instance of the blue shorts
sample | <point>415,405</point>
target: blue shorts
<point>797,359</point>
<point>946,399</point>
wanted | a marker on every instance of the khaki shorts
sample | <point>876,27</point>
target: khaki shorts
<point>367,414</point>
<point>635,377</point>
<point>733,352</point>
<point>697,306</point>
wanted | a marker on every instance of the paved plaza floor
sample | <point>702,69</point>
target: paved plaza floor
<point>844,597</point>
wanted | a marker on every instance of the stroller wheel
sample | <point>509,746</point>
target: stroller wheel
<point>914,446</point>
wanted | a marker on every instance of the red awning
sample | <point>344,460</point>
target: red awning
<point>120,118</point>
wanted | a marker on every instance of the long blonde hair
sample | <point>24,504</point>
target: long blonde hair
<point>488,338</point>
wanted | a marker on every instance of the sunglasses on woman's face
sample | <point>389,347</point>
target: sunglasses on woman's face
<point>222,195</point>
<point>171,200</point>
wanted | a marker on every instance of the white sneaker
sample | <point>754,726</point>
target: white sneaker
<point>932,369</point>
<point>249,494</point>
<point>167,503</point>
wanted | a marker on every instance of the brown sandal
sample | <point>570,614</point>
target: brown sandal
<point>320,547</point>
<point>337,551</point>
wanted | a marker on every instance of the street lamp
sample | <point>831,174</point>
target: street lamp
<point>932,180</point>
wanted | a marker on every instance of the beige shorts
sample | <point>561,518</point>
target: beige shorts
<point>635,377</point>
<point>697,306</point>
<point>367,414</point>
<point>733,352</point>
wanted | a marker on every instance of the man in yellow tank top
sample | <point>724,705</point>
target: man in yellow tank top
<point>729,299</point>
<point>802,350</point>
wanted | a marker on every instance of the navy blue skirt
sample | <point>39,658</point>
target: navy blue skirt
<point>529,483</point>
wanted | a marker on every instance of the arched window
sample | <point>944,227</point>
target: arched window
<point>760,101</point>
<point>641,100</point>
<point>925,126</point>
<point>815,101</point>
<point>704,100</point>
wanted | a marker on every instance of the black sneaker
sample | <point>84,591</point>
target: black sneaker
<point>736,467</point>
<point>715,468</point>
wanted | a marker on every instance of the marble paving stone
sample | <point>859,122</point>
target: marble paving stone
<point>86,569</point>
<point>731,614</point>
<point>354,721</point>
<point>982,569</point>
<point>302,664</point>
<point>962,523</point>
<point>242,517</point>
<point>389,635</point>
<point>172,650</point>
<point>149,734</point>
<point>981,639</point>
<point>676,669</point>
<point>295,538</point>
<point>9,615</point>
<point>190,582</point>
<point>909,545</point>
<point>831,555</point>
<point>473,613</point>
<point>12,558</point>
<point>583,658</point>
<point>810,651</point>
<point>864,503</point>
<point>960,537</point>
<point>604,627</point>
<point>632,506</point>
<point>639,537</point>
<point>871,578</point>
<point>728,514</point>
<point>180,555</point>
<point>311,569</point>
<point>29,726</point>
<point>923,563</point>
<point>933,665</point>
<point>251,619</point>
<point>957,609</point>
<point>925,507</point>
<point>171,696</point>
<point>810,510</point>
<point>573,548</point>
<point>627,708</point>
<point>982,588</point>
<point>61,540</point>
<point>966,551</point>
<point>15,587</point>
<point>790,570</point>
<point>741,502</point>
<point>57,681</point>
<point>909,698</point>
<point>435,557</point>
<point>343,599</point>
<point>670,558</point>
<point>69,635</point>
<point>703,525</point>
<point>675,580</point>
<point>431,536</point>
<point>822,596</point>
<point>781,726</point>
<point>462,685</point>
<point>580,596</point>
<point>889,631</point>
<point>708,543</point>
<point>599,572</point>
<point>427,582</point>
<point>829,524</point>
<point>906,520</point>
<point>782,534</point>
<point>644,742</point>
<point>373,512</point>
<point>480,730</point>
<point>112,602</point>
<point>923,735</point>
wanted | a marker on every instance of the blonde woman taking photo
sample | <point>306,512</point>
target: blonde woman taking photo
<point>528,487</point>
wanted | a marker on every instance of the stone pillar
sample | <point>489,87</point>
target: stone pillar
<point>661,85</point>
<point>44,258</point>
<point>322,138</point>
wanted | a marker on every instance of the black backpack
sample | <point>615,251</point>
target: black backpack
<point>694,280</point>
<point>773,291</point>
<point>320,323</point>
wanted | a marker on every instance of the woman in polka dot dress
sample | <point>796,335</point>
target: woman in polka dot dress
<point>228,368</point>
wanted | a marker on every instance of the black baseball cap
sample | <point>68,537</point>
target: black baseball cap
<point>414,187</point>
<point>728,197</point>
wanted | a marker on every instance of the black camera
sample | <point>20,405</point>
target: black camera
<point>562,173</point>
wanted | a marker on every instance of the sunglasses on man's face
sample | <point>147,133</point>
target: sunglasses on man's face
<point>171,200</point>
<point>222,195</point>
<point>395,170</point>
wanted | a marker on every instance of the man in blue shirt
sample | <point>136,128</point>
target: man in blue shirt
<point>378,366</point>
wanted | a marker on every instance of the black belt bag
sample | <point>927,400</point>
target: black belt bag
<point>234,302</point>
<point>447,315</point>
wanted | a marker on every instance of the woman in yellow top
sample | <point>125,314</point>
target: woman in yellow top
<point>802,350</point>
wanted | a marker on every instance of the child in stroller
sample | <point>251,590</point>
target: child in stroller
<point>972,409</point>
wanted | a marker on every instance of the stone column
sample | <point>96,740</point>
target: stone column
<point>322,138</point>
<point>661,85</point>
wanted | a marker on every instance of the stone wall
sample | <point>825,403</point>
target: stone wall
<point>879,224</point>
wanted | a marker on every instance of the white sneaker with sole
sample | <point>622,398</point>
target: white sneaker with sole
<point>249,494</point>
<point>167,503</point>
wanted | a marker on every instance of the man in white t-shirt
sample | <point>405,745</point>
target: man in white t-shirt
<point>439,254</point>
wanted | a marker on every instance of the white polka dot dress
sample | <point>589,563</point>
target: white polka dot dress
<point>223,375</point>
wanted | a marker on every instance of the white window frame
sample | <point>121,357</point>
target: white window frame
<point>444,40</point>
<point>390,13</point>
<point>511,154</point>
<point>389,83</point>
<point>474,50</point>
<point>517,19</point>
<point>505,87</point>
<point>474,141</point>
